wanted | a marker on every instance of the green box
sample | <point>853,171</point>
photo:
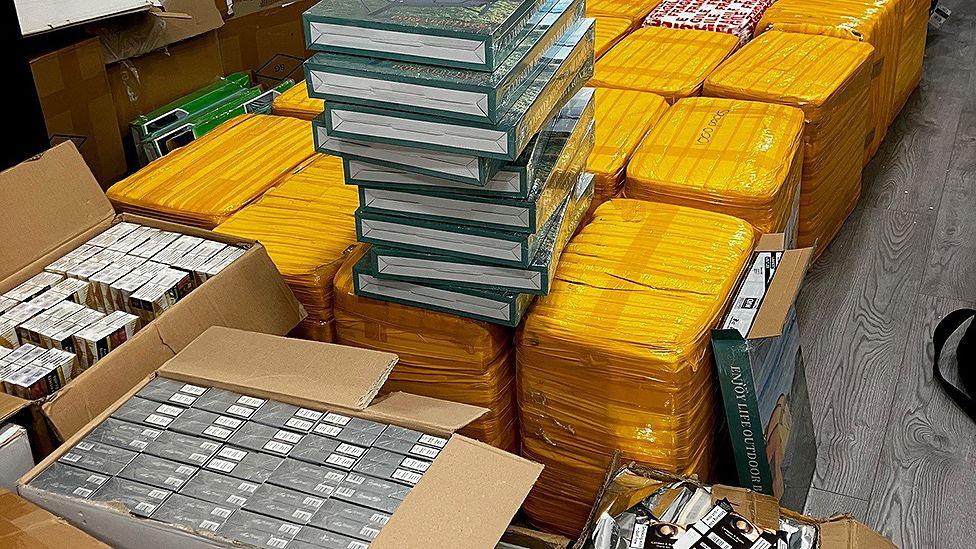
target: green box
<point>469,34</point>
<point>570,66</point>
<point>425,89</point>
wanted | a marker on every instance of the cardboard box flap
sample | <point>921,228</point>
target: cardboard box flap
<point>467,498</point>
<point>318,374</point>
<point>23,524</point>
<point>10,405</point>
<point>771,242</point>
<point>430,415</point>
<point>49,200</point>
<point>843,532</point>
<point>172,22</point>
<point>781,294</point>
<point>761,509</point>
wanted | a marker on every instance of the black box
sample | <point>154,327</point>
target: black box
<point>186,511</point>
<point>309,537</point>
<point>219,489</point>
<point>123,434</point>
<point>281,415</point>
<point>140,499</point>
<point>183,448</point>
<point>148,412</point>
<point>244,464</point>
<point>201,423</point>
<point>169,391</point>
<point>71,481</point>
<point>258,530</point>
<point>263,438</point>
<point>228,403</point>
<point>354,430</point>
<point>327,451</point>
<point>283,503</point>
<point>391,466</point>
<point>350,520</point>
<point>98,457</point>
<point>375,493</point>
<point>307,477</point>
<point>158,472</point>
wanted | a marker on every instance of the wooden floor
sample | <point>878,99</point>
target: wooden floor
<point>893,450</point>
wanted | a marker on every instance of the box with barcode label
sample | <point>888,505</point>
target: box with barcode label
<point>147,412</point>
<point>158,472</point>
<point>202,423</point>
<point>317,480</point>
<point>215,487</point>
<point>285,504</point>
<point>264,438</point>
<point>243,464</point>
<point>97,457</point>
<point>279,414</point>
<point>140,499</point>
<point>346,518</point>
<point>374,493</point>
<point>194,513</point>
<point>172,392</point>
<point>182,448</point>
<point>122,434</point>
<point>228,403</point>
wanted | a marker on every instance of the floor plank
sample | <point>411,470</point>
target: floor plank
<point>924,490</point>
<point>823,504</point>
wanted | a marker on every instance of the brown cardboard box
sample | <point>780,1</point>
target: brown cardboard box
<point>519,537</point>
<point>465,499</point>
<point>76,101</point>
<point>173,21</point>
<point>270,42</point>
<point>52,203</point>
<point>23,524</point>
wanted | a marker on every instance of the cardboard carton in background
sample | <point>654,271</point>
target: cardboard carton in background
<point>51,204</point>
<point>23,524</point>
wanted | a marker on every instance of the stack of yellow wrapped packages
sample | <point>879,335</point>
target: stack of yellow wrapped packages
<point>607,31</point>
<point>741,158</point>
<point>632,10</point>
<point>672,63</point>
<point>440,355</point>
<point>828,78</point>
<point>296,103</point>
<point>622,119</point>
<point>617,356</point>
<point>208,180</point>
<point>306,223</point>
<point>886,25</point>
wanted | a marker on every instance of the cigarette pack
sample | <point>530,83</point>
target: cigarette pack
<point>279,414</point>
<point>140,499</point>
<point>95,341</point>
<point>244,464</point>
<point>154,244</point>
<point>374,493</point>
<point>164,290</point>
<point>86,269</point>
<point>123,434</point>
<point>258,530</point>
<point>201,253</point>
<point>123,288</point>
<point>307,477</point>
<point>202,423</point>
<point>388,465</point>
<point>186,511</point>
<point>134,239</point>
<point>351,520</point>
<point>61,334</point>
<point>147,412</point>
<point>310,537</point>
<point>264,438</point>
<point>327,451</point>
<point>41,376</point>
<point>219,488</point>
<point>182,448</point>
<point>158,472</point>
<point>283,503</point>
<point>98,457</point>
<point>162,389</point>
<point>220,261</point>
<point>33,287</point>
<point>74,257</point>
<point>70,481</point>
<point>220,401</point>
<point>176,249</point>
<point>354,430</point>
<point>100,283</point>
<point>112,234</point>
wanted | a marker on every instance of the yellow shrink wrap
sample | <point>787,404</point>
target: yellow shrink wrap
<point>740,158</point>
<point>828,78</point>
<point>622,118</point>
<point>296,103</point>
<point>307,226</point>
<point>441,355</point>
<point>633,10</point>
<point>877,22</point>
<point>206,181</point>
<point>915,24</point>
<point>672,63</point>
<point>617,356</point>
<point>608,31</point>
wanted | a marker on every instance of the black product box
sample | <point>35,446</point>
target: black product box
<point>71,481</point>
<point>327,451</point>
<point>255,436</point>
<point>123,434</point>
<point>186,511</point>
<point>182,448</point>
<point>309,537</point>
<point>409,435</point>
<point>350,520</point>
<point>258,530</point>
<point>307,477</point>
<point>354,430</point>
<point>166,390</point>
<point>285,504</point>
<point>244,464</point>
<point>228,403</point>
<point>139,499</point>
<point>148,412</point>
<point>391,466</point>
<point>202,423</point>
<point>405,447</point>
<point>219,489</point>
<point>279,414</point>
<point>98,457</point>
<point>158,472</point>
<point>375,493</point>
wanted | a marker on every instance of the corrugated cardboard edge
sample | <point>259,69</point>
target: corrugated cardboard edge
<point>782,293</point>
<point>761,509</point>
<point>430,415</point>
<point>843,532</point>
<point>23,524</point>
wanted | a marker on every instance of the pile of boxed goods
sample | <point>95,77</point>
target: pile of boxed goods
<point>211,449</point>
<point>204,184</point>
<point>607,31</point>
<point>296,103</point>
<point>306,223</point>
<point>738,18</point>
<point>828,78</point>
<point>632,10</point>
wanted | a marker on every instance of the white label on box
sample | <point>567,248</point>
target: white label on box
<point>228,422</point>
<point>332,475</point>
<point>250,401</point>
<point>425,451</point>
<point>173,481</point>
<point>377,517</point>
<point>84,445</point>
<point>96,479</point>
<point>185,470</point>
<point>337,419</point>
<point>180,398</point>
<point>355,479</point>
<point>278,543</point>
<point>192,389</point>
<point>308,414</point>
<point>345,491</point>
<point>350,450</point>
<point>303,516</point>
<point>328,430</point>
<point>147,508</point>
<point>217,432</point>
<point>151,433</point>
<point>236,500</point>
<point>406,476</point>
<point>431,440</point>
<point>247,487</point>
<point>158,494</point>
<point>290,529</point>
<point>368,532</point>
<point>220,512</point>
<point>288,436</point>
<point>168,410</point>
<point>157,419</point>
<point>324,489</point>
<point>277,447</point>
<point>221,465</point>
<point>300,424</point>
<point>640,536</point>
<point>358,545</point>
<point>197,458</point>
<point>209,446</point>
<point>341,461</point>
<point>71,458</point>
<point>415,464</point>
<point>140,444</point>
<point>209,525</point>
<point>233,453</point>
<point>83,492</point>
<point>314,502</point>
<point>242,411</point>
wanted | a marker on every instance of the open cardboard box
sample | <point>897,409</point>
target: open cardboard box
<point>467,497</point>
<point>23,524</point>
<point>52,203</point>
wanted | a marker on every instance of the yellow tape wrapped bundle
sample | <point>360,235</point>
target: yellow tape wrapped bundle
<point>608,31</point>
<point>441,355</point>
<point>617,356</point>
<point>633,10</point>
<point>915,24</point>
<point>205,182</point>
<point>307,226</point>
<point>828,78</point>
<point>878,22</point>
<point>296,103</point>
<point>622,119</point>
<point>672,63</point>
<point>741,158</point>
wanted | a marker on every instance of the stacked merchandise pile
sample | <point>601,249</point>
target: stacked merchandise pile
<point>296,103</point>
<point>617,357</point>
<point>633,11</point>
<point>737,17</point>
<point>896,29</point>
<point>469,170</point>
<point>306,223</point>
<point>607,32</point>
<point>205,182</point>
<point>672,63</point>
<point>623,118</point>
<point>828,78</point>
<point>740,158</point>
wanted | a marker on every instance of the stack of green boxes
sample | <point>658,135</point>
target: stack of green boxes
<point>189,117</point>
<point>466,127</point>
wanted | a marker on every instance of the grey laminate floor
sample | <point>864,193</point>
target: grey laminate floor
<point>893,450</point>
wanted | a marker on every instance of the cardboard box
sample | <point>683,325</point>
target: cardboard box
<point>76,100</point>
<point>68,208</point>
<point>15,456</point>
<point>466,498</point>
<point>760,372</point>
<point>169,22</point>
<point>23,524</point>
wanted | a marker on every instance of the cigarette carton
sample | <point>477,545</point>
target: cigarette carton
<point>307,477</point>
<point>220,261</point>
<point>200,253</point>
<point>146,412</point>
<point>351,520</point>
<point>158,472</point>
<point>285,504</point>
<point>112,234</point>
<point>309,537</point>
<point>353,430</point>
<point>374,493</point>
<point>70,481</point>
<point>164,290</point>
<point>173,392</point>
<point>103,336</point>
<point>61,265</point>
<point>218,488</point>
<point>123,288</point>
<point>388,465</point>
<point>202,423</point>
<point>33,287</point>
<point>101,282</point>
<point>123,434</point>
<point>280,414</point>
<point>244,464</point>
<point>258,530</point>
<point>186,511</point>
<point>176,249</point>
<point>228,403</point>
<point>98,457</point>
<point>182,448</point>
<point>140,499</point>
<point>133,240</point>
<point>263,438</point>
<point>154,244</point>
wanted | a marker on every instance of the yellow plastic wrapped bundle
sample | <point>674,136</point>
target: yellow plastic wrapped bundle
<point>607,32</point>
<point>296,103</point>
<point>441,355</point>
<point>877,22</point>
<point>828,78</point>
<point>915,24</point>
<point>741,158</point>
<point>622,119</point>
<point>617,356</point>
<point>205,182</point>
<point>672,63</point>
<point>307,226</point>
<point>633,10</point>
